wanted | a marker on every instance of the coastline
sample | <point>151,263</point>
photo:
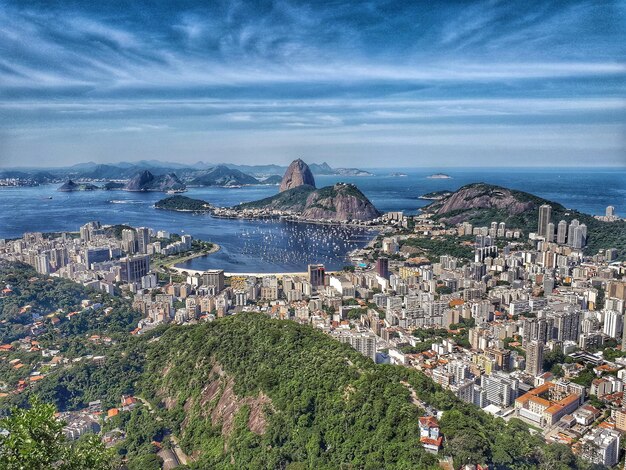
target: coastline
<point>277,217</point>
<point>173,263</point>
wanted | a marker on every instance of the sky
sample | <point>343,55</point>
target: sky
<point>353,83</point>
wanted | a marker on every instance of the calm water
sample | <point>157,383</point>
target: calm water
<point>256,246</point>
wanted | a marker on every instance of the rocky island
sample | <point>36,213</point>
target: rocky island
<point>222,175</point>
<point>183,204</point>
<point>146,181</point>
<point>439,176</point>
<point>71,186</point>
<point>435,195</point>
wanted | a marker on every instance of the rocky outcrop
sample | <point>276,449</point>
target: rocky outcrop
<point>146,181</point>
<point>72,186</point>
<point>340,202</point>
<point>221,175</point>
<point>485,196</point>
<point>298,174</point>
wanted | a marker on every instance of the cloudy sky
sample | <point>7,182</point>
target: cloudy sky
<point>369,84</point>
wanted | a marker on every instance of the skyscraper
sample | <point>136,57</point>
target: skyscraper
<point>382,267</point>
<point>134,268</point>
<point>577,235</point>
<point>143,239</point>
<point>129,241</point>
<point>570,231</point>
<point>545,212</point>
<point>550,232</point>
<point>316,274</point>
<point>612,324</point>
<point>610,211</point>
<point>534,358</point>
<point>561,233</point>
<point>214,278</point>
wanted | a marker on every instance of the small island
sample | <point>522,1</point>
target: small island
<point>435,195</point>
<point>439,176</point>
<point>397,175</point>
<point>71,186</point>
<point>183,204</point>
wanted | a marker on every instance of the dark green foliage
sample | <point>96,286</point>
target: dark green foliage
<point>116,230</point>
<point>585,377</point>
<point>47,294</point>
<point>433,248</point>
<point>292,199</point>
<point>183,203</point>
<point>35,441</point>
<point>145,462</point>
<point>326,413</point>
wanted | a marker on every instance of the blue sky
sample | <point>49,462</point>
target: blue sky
<point>367,84</point>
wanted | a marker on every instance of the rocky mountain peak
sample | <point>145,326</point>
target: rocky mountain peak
<point>298,174</point>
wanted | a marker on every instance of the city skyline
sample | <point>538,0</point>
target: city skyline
<point>371,85</point>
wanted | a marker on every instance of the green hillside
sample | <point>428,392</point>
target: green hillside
<point>600,235</point>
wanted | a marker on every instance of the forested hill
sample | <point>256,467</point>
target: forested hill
<point>482,203</point>
<point>251,392</point>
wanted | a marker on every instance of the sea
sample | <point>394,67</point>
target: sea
<point>254,246</point>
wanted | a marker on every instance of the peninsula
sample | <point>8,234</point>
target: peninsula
<point>298,199</point>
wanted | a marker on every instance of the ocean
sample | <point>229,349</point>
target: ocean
<point>277,246</point>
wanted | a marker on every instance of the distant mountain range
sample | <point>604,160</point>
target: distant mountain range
<point>196,174</point>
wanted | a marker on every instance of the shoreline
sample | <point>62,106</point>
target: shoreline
<point>275,217</point>
<point>173,264</point>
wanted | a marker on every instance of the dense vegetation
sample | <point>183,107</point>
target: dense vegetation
<point>433,248</point>
<point>32,439</point>
<point>330,407</point>
<point>47,295</point>
<point>183,203</point>
<point>292,199</point>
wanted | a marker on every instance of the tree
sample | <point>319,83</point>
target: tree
<point>33,439</point>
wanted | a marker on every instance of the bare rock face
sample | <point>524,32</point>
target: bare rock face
<point>298,174</point>
<point>341,202</point>
<point>483,196</point>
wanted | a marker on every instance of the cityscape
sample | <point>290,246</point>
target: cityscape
<point>298,236</point>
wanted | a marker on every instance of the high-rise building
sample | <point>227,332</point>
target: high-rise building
<point>484,248</point>
<point>561,234</point>
<point>129,241</point>
<point>550,232</point>
<point>214,278</point>
<point>42,263</point>
<point>133,268</point>
<point>577,235</point>
<point>610,211</point>
<point>316,274</point>
<point>382,267</point>
<point>545,211</point>
<point>567,324</point>
<point>365,343</point>
<point>143,239</point>
<point>500,389</point>
<point>97,255</point>
<point>570,231</point>
<point>534,358</point>
<point>89,230</point>
<point>612,324</point>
